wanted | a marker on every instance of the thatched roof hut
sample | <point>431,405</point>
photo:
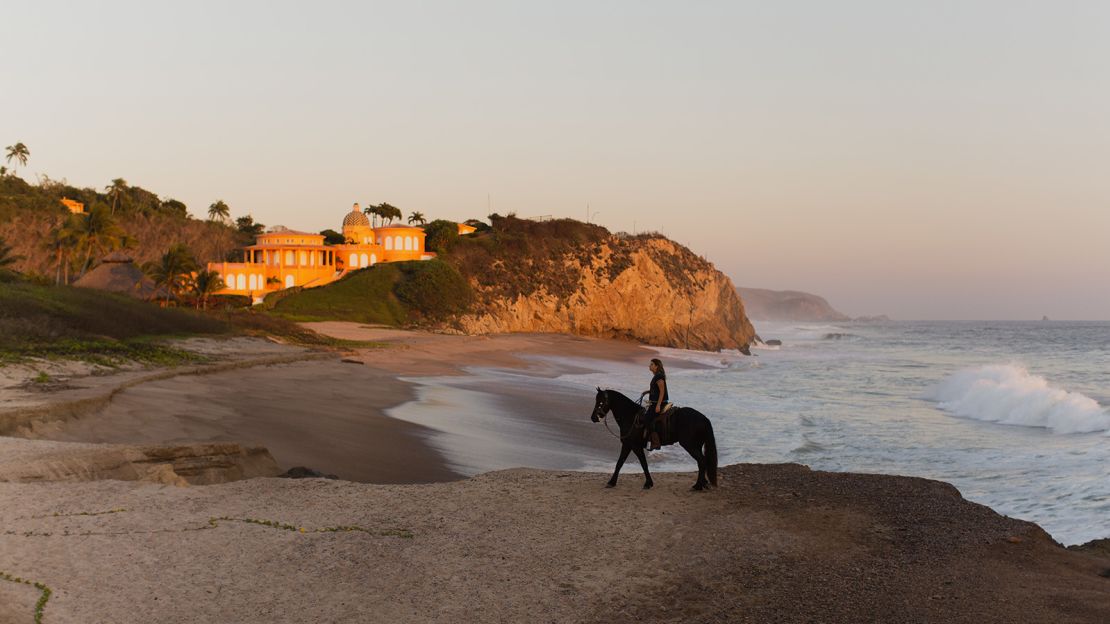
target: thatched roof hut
<point>117,273</point>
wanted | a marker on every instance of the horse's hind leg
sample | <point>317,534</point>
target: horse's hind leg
<point>648,483</point>
<point>620,462</point>
<point>695,452</point>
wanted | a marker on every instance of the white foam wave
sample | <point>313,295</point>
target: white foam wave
<point>1010,395</point>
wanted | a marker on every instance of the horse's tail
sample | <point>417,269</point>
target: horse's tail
<point>710,453</point>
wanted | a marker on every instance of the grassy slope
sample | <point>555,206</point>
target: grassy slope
<point>60,321</point>
<point>364,296</point>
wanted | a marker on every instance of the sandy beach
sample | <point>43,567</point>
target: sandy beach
<point>333,415</point>
<point>420,540</point>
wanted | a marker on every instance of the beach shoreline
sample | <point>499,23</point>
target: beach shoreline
<point>337,413</point>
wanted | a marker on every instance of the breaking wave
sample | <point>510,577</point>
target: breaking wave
<point>1010,395</point>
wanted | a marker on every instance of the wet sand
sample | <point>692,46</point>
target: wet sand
<point>348,417</point>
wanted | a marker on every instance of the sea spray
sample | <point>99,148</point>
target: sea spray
<point>1009,395</point>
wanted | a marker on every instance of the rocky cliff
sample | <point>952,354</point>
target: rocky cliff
<point>789,305</point>
<point>570,277</point>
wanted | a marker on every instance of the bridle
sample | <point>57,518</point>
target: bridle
<point>602,409</point>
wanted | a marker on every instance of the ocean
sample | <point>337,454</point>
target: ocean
<point>1014,414</point>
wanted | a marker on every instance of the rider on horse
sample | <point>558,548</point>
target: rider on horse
<point>657,398</point>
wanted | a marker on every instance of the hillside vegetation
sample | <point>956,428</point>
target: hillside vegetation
<point>62,321</point>
<point>399,293</point>
<point>29,213</point>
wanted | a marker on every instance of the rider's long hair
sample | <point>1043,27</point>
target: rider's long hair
<point>659,364</point>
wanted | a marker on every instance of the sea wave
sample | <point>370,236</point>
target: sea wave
<point>1010,395</point>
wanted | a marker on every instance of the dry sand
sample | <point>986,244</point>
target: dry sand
<point>772,544</point>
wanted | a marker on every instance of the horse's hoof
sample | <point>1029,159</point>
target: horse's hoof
<point>697,487</point>
<point>610,484</point>
<point>648,486</point>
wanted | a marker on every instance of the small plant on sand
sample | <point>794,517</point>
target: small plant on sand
<point>44,597</point>
<point>41,378</point>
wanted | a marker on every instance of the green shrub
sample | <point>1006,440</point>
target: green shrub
<point>433,289</point>
<point>440,235</point>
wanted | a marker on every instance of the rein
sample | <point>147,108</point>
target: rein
<point>605,422</point>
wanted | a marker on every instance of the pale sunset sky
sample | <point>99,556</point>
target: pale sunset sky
<point>926,160</point>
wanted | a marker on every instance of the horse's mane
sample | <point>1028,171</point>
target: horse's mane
<point>617,397</point>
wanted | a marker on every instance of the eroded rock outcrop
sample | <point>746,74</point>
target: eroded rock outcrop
<point>588,282</point>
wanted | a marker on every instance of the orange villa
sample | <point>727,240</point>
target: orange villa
<point>284,258</point>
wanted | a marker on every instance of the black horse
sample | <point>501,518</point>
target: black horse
<point>689,427</point>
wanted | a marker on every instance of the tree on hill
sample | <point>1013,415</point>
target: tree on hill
<point>175,207</point>
<point>417,217</point>
<point>115,190</point>
<point>389,212</point>
<point>19,153</point>
<point>7,259</point>
<point>439,234</point>
<point>374,211</point>
<point>173,270</point>
<point>62,244</point>
<point>331,237</point>
<point>248,228</point>
<point>98,233</point>
<point>205,284</point>
<point>219,211</point>
<point>478,225</point>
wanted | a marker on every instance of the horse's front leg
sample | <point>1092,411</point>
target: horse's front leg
<point>620,462</point>
<point>648,483</point>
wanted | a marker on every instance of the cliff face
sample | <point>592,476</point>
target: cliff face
<point>648,289</point>
<point>789,305</point>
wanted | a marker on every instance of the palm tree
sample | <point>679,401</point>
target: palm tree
<point>63,241</point>
<point>7,259</point>
<point>173,270</point>
<point>117,188</point>
<point>374,212</point>
<point>219,210</point>
<point>19,152</point>
<point>206,283</point>
<point>389,212</point>
<point>417,217</point>
<point>97,233</point>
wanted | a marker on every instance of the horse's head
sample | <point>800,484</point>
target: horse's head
<point>601,405</point>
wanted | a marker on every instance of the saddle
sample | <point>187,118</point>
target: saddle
<point>662,423</point>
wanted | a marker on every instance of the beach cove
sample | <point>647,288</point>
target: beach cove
<point>422,540</point>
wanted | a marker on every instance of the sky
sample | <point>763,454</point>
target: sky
<point>924,160</point>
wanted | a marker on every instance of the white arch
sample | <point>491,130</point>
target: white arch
<point>364,261</point>
<point>398,244</point>
<point>253,282</point>
<point>352,262</point>
<point>373,259</point>
<point>304,260</point>
<point>241,280</point>
<point>290,258</point>
<point>388,243</point>
<point>289,281</point>
<point>229,281</point>
<point>408,243</point>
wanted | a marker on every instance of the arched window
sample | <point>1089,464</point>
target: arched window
<point>242,281</point>
<point>373,259</point>
<point>253,282</point>
<point>229,281</point>
<point>290,260</point>
<point>408,243</point>
<point>364,260</point>
<point>352,262</point>
<point>288,281</point>
<point>304,259</point>
<point>398,244</point>
<point>388,243</point>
